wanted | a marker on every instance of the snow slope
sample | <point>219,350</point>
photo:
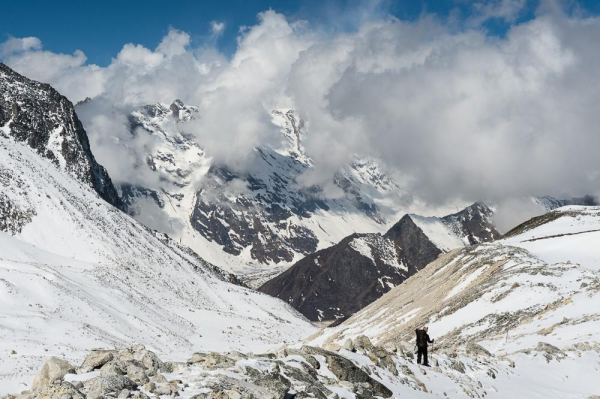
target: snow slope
<point>81,274</point>
<point>531,298</point>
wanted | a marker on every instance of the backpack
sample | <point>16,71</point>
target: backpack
<point>420,337</point>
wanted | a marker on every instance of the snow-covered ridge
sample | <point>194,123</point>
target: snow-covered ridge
<point>530,296</point>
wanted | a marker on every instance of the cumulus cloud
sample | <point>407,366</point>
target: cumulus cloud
<point>458,114</point>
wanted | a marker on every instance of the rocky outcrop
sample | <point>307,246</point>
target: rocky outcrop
<point>335,282</point>
<point>37,115</point>
<point>214,375</point>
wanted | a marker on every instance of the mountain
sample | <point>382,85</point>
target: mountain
<point>77,273</point>
<point>254,221</point>
<point>525,305</point>
<point>514,318</point>
<point>551,203</point>
<point>36,114</point>
<point>335,282</point>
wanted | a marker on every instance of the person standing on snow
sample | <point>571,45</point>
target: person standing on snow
<point>423,341</point>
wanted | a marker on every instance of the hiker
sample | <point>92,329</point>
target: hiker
<point>422,341</point>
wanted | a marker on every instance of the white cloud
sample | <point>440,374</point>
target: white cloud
<point>217,27</point>
<point>459,114</point>
<point>15,45</point>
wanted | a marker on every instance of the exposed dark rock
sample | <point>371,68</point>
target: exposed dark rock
<point>335,282</point>
<point>46,121</point>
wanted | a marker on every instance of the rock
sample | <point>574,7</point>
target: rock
<point>137,373</point>
<point>140,395</point>
<point>167,389</point>
<point>111,368</point>
<point>148,359</point>
<point>551,352</point>
<point>217,361</point>
<point>458,366</point>
<point>364,343</point>
<point>13,352</point>
<point>159,379</point>
<point>150,387</point>
<point>197,358</point>
<point>474,349</point>
<point>101,386</point>
<point>59,390</point>
<point>95,360</point>
<point>275,383</point>
<point>349,345</point>
<point>124,394</point>
<point>53,369</point>
<point>380,352</point>
<point>331,346</point>
<point>78,385</point>
<point>345,370</point>
<point>313,362</point>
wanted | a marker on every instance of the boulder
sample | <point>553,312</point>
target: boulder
<point>474,349</point>
<point>197,358</point>
<point>53,369</point>
<point>148,359</point>
<point>110,385</point>
<point>137,373</point>
<point>345,370</point>
<point>349,345</point>
<point>167,389</point>
<point>59,390</point>
<point>364,343</point>
<point>331,346</point>
<point>217,361</point>
<point>95,360</point>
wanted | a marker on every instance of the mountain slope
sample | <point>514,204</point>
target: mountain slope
<point>77,273</point>
<point>36,114</point>
<point>539,284</point>
<point>335,282</point>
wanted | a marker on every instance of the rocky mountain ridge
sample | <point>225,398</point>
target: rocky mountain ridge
<point>36,114</point>
<point>249,222</point>
<point>335,282</point>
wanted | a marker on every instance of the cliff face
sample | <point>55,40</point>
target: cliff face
<point>36,114</point>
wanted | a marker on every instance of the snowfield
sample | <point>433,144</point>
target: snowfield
<point>81,274</point>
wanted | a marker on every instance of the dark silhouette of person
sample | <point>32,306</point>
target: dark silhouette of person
<point>423,341</point>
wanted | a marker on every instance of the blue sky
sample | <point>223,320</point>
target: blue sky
<point>100,28</point>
